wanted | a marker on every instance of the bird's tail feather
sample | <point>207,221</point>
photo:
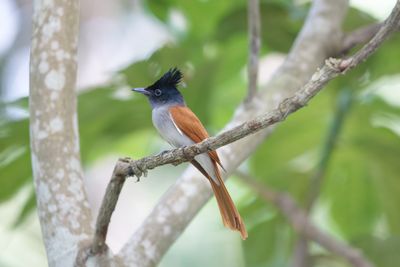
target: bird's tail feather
<point>230,215</point>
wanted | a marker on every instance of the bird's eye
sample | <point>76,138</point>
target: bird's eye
<point>157,92</point>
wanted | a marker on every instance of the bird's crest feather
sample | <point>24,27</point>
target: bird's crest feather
<point>171,78</point>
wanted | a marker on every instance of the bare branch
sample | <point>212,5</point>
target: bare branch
<point>119,175</point>
<point>254,47</point>
<point>300,222</point>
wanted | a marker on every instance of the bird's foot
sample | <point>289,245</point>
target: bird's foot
<point>138,171</point>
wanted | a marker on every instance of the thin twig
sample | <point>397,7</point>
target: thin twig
<point>300,222</point>
<point>359,36</point>
<point>343,105</point>
<point>331,69</point>
<point>254,47</point>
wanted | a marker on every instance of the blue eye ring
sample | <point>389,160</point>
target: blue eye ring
<point>157,92</point>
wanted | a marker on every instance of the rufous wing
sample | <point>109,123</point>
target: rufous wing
<point>192,127</point>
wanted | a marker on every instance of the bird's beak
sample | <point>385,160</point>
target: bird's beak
<point>141,90</point>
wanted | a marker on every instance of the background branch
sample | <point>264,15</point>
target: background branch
<point>253,18</point>
<point>301,255</point>
<point>298,218</point>
<point>359,36</point>
<point>342,107</point>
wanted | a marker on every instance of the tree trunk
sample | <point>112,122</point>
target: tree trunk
<point>64,212</point>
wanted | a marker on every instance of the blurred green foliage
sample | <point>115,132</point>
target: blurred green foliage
<point>361,187</point>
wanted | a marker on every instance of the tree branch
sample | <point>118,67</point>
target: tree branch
<point>254,47</point>
<point>359,36</point>
<point>300,222</point>
<point>350,40</point>
<point>343,105</point>
<point>118,178</point>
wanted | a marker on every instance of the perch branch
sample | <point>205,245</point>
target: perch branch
<point>129,167</point>
<point>300,222</point>
<point>114,187</point>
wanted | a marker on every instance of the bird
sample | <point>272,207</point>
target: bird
<point>179,126</point>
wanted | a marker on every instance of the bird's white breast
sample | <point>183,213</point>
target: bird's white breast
<point>167,128</point>
<point>169,131</point>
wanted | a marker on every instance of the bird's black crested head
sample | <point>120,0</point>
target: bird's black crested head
<point>164,91</point>
<point>171,78</point>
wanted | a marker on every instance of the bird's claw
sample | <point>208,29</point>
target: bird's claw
<point>185,153</point>
<point>125,159</point>
<point>137,171</point>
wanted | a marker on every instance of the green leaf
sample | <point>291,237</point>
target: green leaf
<point>362,181</point>
<point>288,157</point>
<point>15,161</point>
<point>351,191</point>
<point>104,120</point>
<point>194,13</point>
<point>384,252</point>
<point>29,205</point>
<point>269,244</point>
<point>280,24</point>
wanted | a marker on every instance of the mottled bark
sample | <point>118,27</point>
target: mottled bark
<point>64,212</point>
<point>254,26</point>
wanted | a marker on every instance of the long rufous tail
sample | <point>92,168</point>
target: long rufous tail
<point>230,215</point>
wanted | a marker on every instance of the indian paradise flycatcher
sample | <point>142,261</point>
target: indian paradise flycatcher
<point>179,126</point>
